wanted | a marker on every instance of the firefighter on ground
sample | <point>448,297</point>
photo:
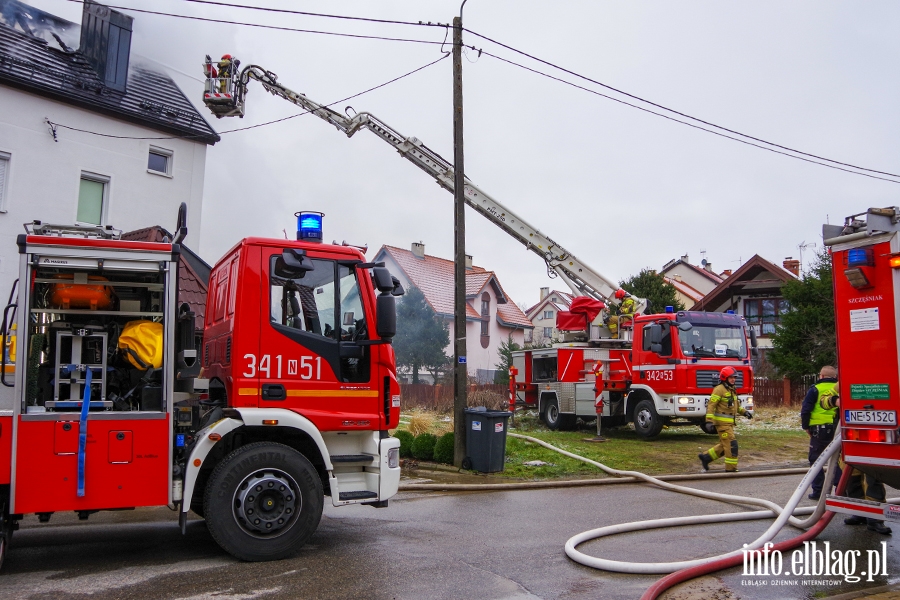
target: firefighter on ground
<point>626,312</point>
<point>724,407</point>
<point>818,416</point>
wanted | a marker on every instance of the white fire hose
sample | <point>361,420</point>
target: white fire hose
<point>784,514</point>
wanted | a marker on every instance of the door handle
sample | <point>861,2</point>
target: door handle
<point>273,391</point>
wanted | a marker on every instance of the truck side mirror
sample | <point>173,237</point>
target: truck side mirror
<point>753,338</point>
<point>685,326</point>
<point>398,287</point>
<point>654,335</point>
<point>386,314</point>
<point>383,280</point>
<point>292,264</point>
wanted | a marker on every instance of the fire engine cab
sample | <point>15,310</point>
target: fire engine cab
<point>106,407</point>
<point>865,256</point>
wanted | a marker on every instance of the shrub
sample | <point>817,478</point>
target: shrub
<point>406,441</point>
<point>419,423</point>
<point>423,446</point>
<point>443,449</point>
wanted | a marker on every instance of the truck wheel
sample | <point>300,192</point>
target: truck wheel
<point>708,427</point>
<point>6,530</point>
<point>551,414</point>
<point>647,422</point>
<point>263,502</point>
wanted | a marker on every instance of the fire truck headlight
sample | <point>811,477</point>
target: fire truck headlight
<point>685,400</point>
<point>394,458</point>
<point>749,405</point>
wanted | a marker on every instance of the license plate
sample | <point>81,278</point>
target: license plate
<point>870,417</point>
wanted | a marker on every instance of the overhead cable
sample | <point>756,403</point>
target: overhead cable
<point>671,110</point>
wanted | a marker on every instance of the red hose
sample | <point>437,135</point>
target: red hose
<point>683,575</point>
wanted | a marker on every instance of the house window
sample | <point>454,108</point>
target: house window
<point>548,333</point>
<point>4,177</point>
<point>764,314</point>
<point>93,197</point>
<point>159,161</point>
<point>485,320</point>
<point>548,314</point>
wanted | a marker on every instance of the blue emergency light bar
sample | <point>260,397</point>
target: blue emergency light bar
<point>670,309</point>
<point>309,226</point>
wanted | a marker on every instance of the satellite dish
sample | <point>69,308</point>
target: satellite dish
<point>703,262</point>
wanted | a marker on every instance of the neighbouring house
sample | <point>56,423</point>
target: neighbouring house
<point>543,316</point>
<point>491,316</point>
<point>691,282</point>
<point>89,133</point>
<point>754,291</point>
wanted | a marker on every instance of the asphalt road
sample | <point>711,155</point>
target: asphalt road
<point>425,545</point>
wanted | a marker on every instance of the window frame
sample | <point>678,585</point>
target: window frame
<point>170,158</point>
<point>106,181</point>
<point>757,320</point>
<point>6,158</point>
<point>548,314</point>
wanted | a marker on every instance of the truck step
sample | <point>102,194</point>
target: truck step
<point>352,458</point>
<point>360,495</point>
<point>862,508</point>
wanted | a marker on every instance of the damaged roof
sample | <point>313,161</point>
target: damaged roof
<point>33,61</point>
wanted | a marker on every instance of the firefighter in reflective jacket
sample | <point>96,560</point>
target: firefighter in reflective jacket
<point>817,416</point>
<point>723,409</point>
<point>626,312</point>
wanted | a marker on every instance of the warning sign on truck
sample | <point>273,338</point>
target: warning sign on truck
<point>864,319</point>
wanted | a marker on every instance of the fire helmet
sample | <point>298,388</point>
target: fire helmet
<point>226,57</point>
<point>726,373</point>
<point>620,294</point>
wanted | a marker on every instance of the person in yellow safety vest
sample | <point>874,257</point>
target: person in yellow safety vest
<point>626,312</point>
<point>722,410</point>
<point>227,66</point>
<point>817,416</point>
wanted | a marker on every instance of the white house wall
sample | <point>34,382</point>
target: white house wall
<point>44,176</point>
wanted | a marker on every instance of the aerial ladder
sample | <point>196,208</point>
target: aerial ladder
<point>225,95</point>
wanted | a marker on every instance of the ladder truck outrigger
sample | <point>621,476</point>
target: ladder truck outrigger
<point>107,408</point>
<point>660,368</point>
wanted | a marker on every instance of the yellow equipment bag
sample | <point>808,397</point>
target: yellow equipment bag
<point>142,344</point>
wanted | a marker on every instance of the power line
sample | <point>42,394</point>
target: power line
<point>275,27</point>
<point>660,106</point>
<point>670,118</point>
<point>178,137</point>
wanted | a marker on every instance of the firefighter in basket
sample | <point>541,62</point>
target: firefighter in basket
<point>724,407</point>
<point>626,312</point>
<point>228,67</point>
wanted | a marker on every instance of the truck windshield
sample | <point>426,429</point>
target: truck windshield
<point>714,342</point>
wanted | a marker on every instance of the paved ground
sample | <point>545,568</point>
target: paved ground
<point>434,545</point>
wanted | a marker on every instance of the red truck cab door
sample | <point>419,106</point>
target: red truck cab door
<point>309,360</point>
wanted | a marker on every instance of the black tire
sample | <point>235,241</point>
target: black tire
<point>551,414</point>
<point>6,530</point>
<point>709,428</point>
<point>647,422</point>
<point>263,502</point>
<point>467,464</point>
<point>568,422</point>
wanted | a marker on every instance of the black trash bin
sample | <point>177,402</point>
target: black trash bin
<point>485,439</point>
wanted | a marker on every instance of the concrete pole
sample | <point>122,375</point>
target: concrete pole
<point>460,373</point>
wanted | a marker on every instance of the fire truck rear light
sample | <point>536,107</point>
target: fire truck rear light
<point>215,437</point>
<point>895,262</point>
<point>197,462</point>
<point>872,436</point>
<point>270,422</point>
<point>856,278</point>
<point>394,458</point>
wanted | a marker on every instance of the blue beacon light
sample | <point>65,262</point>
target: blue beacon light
<point>309,226</point>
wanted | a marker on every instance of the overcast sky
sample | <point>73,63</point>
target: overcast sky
<point>620,188</point>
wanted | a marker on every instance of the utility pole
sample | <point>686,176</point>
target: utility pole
<point>460,372</point>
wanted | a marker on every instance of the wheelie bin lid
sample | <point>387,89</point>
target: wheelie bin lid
<point>484,412</point>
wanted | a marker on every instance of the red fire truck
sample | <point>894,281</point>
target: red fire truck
<point>108,410</point>
<point>865,256</point>
<point>663,376</point>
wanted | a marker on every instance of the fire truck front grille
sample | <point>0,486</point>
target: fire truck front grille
<point>710,379</point>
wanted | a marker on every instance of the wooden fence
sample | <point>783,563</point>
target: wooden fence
<point>781,392</point>
<point>440,397</point>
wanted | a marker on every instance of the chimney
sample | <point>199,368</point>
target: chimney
<point>106,43</point>
<point>726,273</point>
<point>418,249</point>
<point>684,258</point>
<point>792,265</point>
<point>468,261</point>
<point>708,267</point>
<point>545,292</point>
